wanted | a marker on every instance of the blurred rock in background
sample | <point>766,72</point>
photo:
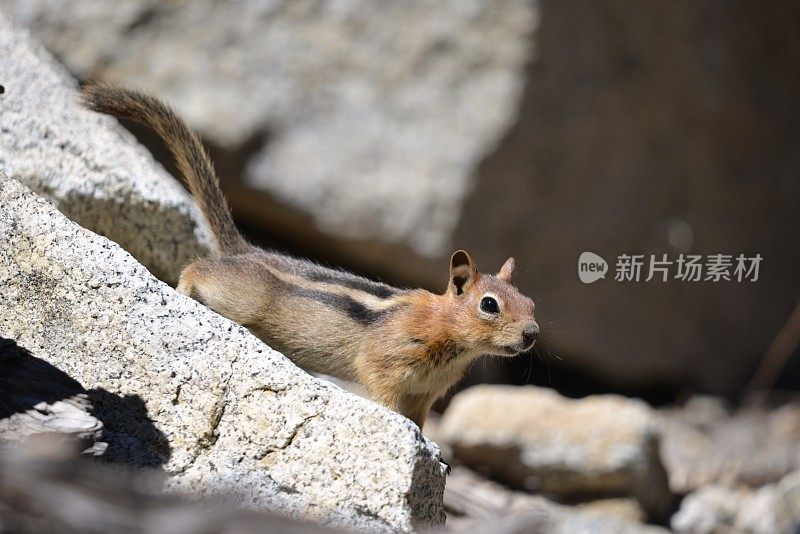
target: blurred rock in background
<point>46,487</point>
<point>703,443</point>
<point>773,508</point>
<point>699,467</point>
<point>382,135</point>
<point>369,117</point>
<point>478,505</point>
<point>87,165</point>
<point>535,440</point>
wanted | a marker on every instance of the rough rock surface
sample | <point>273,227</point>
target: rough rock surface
<point>179,386</point>
<point>87,165</point>
<point>359,111</point>
<point>533,438</point>
<point>702,443</point>
<point>770,509</point>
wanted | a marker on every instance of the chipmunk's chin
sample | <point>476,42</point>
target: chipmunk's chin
<point>507,351</point>
<point>515,350</point>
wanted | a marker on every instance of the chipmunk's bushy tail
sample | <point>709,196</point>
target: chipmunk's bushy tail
<point>190,156</point>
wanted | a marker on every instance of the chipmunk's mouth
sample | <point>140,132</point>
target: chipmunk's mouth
<point>519,349</point>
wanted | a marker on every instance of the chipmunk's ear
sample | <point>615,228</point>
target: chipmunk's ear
<point>507,270</point>
<point>462,272</point>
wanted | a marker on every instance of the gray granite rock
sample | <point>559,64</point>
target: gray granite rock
<point>532,438</point>
<point>367,116</point>
<point>702,443</point>
<point>178,386</point>
<point>714,508</point>
<point>87,165</point>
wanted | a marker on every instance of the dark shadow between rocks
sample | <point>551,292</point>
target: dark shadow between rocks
<point>31,385</point>
<point>26,381</point>
<point>131,435</point>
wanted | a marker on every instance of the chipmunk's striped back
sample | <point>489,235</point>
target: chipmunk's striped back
<point>319,317</point>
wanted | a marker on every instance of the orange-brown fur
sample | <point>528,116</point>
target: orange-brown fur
<point>406,347</point>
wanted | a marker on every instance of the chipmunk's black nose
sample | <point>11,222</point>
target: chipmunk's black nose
<point>530,334</point>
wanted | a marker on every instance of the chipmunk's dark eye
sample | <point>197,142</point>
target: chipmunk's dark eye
<point>489,305</point>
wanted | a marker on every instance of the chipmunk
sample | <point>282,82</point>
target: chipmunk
<point>407,347</point>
